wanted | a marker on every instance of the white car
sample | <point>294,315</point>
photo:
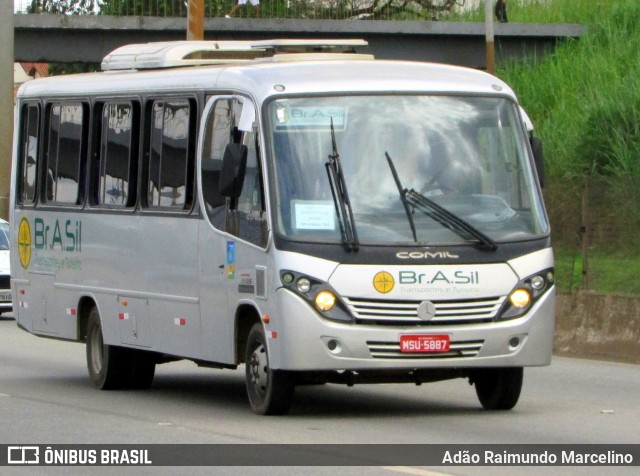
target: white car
<point>5,268</point>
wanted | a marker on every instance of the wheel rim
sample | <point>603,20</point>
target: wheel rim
<point>96,350</point>
<point>258,371</point>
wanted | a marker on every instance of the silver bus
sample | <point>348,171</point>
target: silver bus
<point>295,207</point>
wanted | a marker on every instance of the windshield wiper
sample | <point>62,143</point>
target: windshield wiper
<point>440,214</point>
<point>341,197</point>
<point>403,197</point>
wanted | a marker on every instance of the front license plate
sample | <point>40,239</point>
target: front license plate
<point>5,296</point>
<point>424,343</point>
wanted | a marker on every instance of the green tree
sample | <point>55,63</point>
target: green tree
<point>160,8</point>
<point>66,7</point>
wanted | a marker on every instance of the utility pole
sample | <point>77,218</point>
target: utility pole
<point>195,20</point>
<point>488,26</point>
<point>6,103</point>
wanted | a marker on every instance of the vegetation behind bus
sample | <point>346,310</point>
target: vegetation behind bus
<point>308,9</point>
<point>523,11</point>
<point>585,102</point>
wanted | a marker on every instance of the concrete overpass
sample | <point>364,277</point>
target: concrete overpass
<point>62,38</point>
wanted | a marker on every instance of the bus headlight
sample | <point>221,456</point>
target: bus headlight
<point>520,298</point>
<point>537,282</point>
<point>320,296</point>
<point>325,301</point>
<point>526,293</point>
<point>303,285</point>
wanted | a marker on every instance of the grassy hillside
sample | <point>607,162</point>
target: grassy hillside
<point>585,98</point>
<point>545,11</point>
<point>585,102</point>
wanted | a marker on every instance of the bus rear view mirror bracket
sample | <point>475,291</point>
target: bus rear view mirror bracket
<point>234,164</point>
<point>538,158</point>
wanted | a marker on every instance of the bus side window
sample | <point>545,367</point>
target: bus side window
<point>245,216</point>
<point>116,165</point>
<point>218,133</point>
<point>250,209</point>
<point>29,154</point>
<point>64,153</point>
<point>170,153</point>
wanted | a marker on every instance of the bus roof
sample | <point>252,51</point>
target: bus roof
<point>291,72</point>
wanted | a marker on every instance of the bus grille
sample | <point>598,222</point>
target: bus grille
<point>391,350</point>
<point>387,312</point>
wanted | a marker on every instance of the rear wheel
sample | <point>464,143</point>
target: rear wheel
<point>499,388</point>
<point>142,368</point>
<point>270,391</point>
<point>106,363</point>
<point>111,367</point>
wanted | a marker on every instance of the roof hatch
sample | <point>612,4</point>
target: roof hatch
<point>192,53</point>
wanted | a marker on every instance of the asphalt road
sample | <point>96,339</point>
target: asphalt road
<point>47,398</point>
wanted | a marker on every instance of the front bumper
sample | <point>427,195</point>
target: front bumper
<point>301,340</point>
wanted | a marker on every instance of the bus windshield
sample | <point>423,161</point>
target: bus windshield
<point>416,169</point>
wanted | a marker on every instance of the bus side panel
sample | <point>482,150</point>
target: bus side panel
<point>140,271</point>
<point>147,266</point>
<point>34,278</point>
<point>217,335</point>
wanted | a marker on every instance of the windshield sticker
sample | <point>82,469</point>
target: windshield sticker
<point>313,215</point>
<point>310,118</point>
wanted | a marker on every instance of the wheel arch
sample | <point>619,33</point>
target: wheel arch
<point>246,316</point>
<point>85,305</point>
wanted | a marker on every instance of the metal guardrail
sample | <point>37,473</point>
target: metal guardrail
<point>302,9</point>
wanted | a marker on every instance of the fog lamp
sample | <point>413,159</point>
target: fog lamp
<point>325,300</point>
<point>303,285</point>
<point>537,283</point>
<point>520,298</point>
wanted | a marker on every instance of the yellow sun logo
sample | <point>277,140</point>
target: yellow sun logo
<point>24,243</point>
<point>383,282</point>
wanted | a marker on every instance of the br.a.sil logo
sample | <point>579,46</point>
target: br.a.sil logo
<point>443,280</point>
<point>24,243</point>
<point>383,282</point>
<point>48,235</point>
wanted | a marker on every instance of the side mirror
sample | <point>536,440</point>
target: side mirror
<point>538,158</point>
<point>234,164</point>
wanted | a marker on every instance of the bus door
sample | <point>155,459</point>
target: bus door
<point>233,231</point>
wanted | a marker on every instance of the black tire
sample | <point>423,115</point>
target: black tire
<point>106,363</point>
<point>142,368</point>
<point>499,388</point>
<point>270,391</point>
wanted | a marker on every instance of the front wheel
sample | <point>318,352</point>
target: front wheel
<point>270,391</point>
<point>498,388</point>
